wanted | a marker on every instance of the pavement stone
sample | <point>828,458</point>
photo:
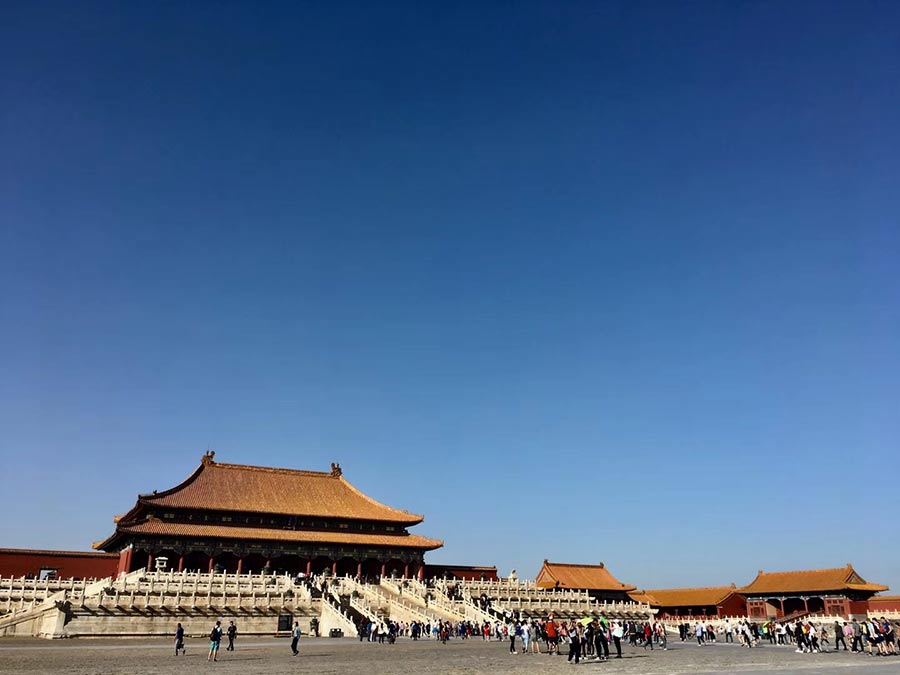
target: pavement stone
<point>458,657</point>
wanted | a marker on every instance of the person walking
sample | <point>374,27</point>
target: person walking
<point>232,634</point>
<point>215,638</point>
<point>534,633</point>
<point>601,641</point>
<point>575,633</point>
<point>295,638</point>
<point>552,636</point>
<point>511,628</point>
<point>839,636</point>
<point>617,633</point>
<point>179,640</point>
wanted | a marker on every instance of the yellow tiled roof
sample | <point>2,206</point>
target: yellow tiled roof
<point>255,489</point>
<point>684,597</point>
<point>584,577</point>
<point>838,578</point>
<point>163,528</point>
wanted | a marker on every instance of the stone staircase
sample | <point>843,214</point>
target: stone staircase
<point>388,602</point>
<point>415,595</point>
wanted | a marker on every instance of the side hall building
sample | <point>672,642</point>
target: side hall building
<point>709,602</point>
<point>838,591</point>
<point>595,579</point>
<point>239,518</point>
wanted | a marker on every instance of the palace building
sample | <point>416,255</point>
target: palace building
<point>712,601</point>
<point>596,580</point>
<point>239,518</point>
<point>839,591</point>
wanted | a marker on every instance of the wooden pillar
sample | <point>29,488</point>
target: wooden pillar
<point>421,572</point>
<point>334,568</point>
<point>181,563</point>
<point>150,562</point>
<point>211,561</point>
<point>359,569</point>
<point>384,569</point>
<point>240,565</point>
<point>309,568</point>
<point>406,571</point>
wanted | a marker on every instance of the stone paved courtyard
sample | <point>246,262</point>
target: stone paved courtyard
<point>323,656</point>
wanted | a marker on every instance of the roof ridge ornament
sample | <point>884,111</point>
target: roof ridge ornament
<point>336,470</point>
<point>208,457</point>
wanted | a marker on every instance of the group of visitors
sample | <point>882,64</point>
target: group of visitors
<point>215,639</point>
<point>593,638</point>
<point>706,633</point>
<point>586,639</point>
<point>876,637</point>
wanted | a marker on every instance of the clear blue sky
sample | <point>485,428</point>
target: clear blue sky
<point>599,281</point>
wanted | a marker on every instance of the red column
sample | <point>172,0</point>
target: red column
<point>309,568</point>
<point>334,568</point>
<point>181,563</point>
<point>149,562</point>
<point>240,565</point>
<point>406,571</point>
<point>125,561</point>
<point>211,561</point>
<point>422,572</point>
<point>359,570</point>
<point>384,569</point>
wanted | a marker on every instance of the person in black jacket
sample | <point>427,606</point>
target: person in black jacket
<point>179,640</point>
<point>232,634</point>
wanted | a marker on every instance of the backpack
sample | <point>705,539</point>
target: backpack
<point>214,635</point>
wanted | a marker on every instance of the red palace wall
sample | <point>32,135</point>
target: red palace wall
<point>885,604</point>
<point>463,572</point>
<point>736,605</point>
<point>22,562</point>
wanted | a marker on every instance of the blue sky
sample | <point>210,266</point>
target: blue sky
<point>590,281</point>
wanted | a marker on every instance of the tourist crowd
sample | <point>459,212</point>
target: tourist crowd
<point>876,637</point>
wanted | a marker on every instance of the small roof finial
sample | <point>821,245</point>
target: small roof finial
<point>208,456</point>
<point>335,470</point>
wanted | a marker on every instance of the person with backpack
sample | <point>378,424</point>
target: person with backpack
<point>215,638</point>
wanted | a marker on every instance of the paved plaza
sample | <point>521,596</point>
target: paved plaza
<point>324,656</point>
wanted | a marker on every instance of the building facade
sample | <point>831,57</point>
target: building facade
<point>709,602</point>
<point>239,518</point>
<point>839,591</point>
<point>595,579</point>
